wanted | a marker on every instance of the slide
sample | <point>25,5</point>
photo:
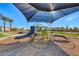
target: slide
<point>31,32</point>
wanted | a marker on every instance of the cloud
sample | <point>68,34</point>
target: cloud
<point>72,18</point>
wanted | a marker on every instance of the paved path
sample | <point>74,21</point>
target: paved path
<point>28,49</point>
<point>4,38</point>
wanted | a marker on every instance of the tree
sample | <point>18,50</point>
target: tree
<point>52,29</point>
<point>39,28</point>
<point>10,20</point>
<point>15,29</point>
<point>62,29</point>
<point>67,27</point>
<point>4,18</point>
<point>70,29</point>
<point>75,28</point>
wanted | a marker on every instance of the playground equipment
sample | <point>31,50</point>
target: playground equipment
<point>31,32</point>
<point>41,31</point>
<point>40,36</point>
<point>45,12</point>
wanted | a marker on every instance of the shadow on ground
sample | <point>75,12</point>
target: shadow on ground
<point>28,49</point>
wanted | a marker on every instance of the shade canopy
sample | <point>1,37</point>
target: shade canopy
<point>46,12</point>
<point>53,6</point>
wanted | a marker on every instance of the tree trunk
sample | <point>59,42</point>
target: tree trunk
<point>4,25</point>
<point>10,26</point>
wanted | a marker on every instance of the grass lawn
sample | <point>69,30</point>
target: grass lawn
<point>3,35</point>
<point>72,34</point>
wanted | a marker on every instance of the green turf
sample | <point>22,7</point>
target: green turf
<point>72,34</point>
<point>2,35</point>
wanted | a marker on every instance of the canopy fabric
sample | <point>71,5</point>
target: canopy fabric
<point>52,16</point>
<point>27,10</point>
<point>38,12</point>
<point>53,6</point>
<point>41,16</point>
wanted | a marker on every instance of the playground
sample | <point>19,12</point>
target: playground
<point>41,43</point>
<point>41,39</point>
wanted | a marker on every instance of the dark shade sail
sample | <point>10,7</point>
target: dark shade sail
<point>53,6</point>
<point>27,10</point>
<point>38,12</point>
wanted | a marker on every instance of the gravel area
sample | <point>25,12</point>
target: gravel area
<point>28,49</point>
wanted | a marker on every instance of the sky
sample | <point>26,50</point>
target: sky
<point>71,20</point>
<point>12,12</point>
<point>9,10</point>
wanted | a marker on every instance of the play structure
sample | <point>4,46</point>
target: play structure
<point>41,32</point>
<point>45,12</point>
<point>31,32</point>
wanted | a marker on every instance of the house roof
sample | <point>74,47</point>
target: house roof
<point>0,26</point>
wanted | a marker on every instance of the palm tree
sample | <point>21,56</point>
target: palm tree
<point>62,29</point>
<point>4,18</point>
<point>75,29</point>
<point>10,20</point>
<point>67,27</point>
